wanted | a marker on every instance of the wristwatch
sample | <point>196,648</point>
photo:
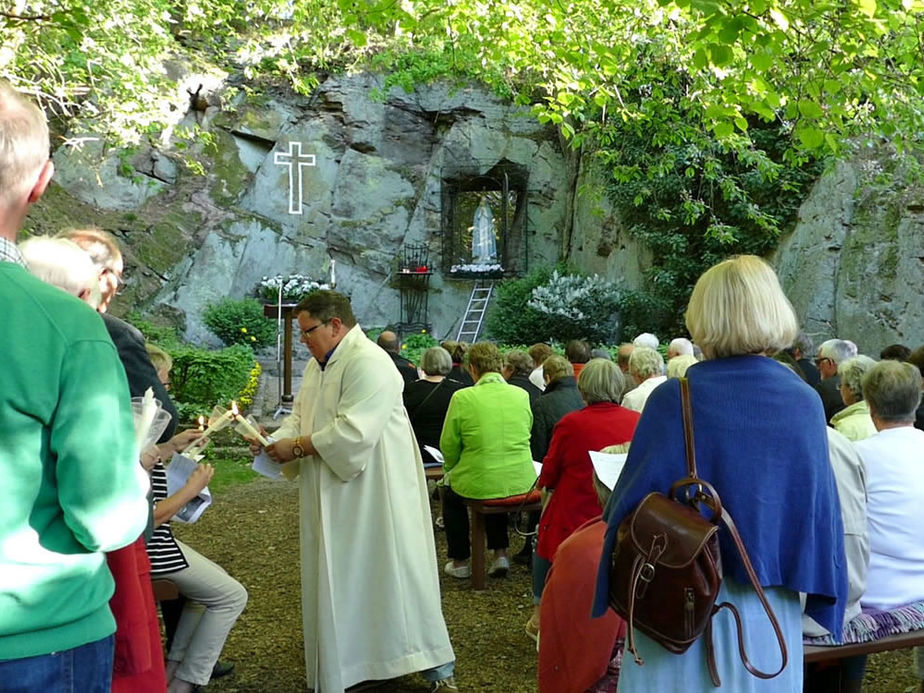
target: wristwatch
<point>297,448</point>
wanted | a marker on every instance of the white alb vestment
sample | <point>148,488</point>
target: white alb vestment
<point>370,587</point>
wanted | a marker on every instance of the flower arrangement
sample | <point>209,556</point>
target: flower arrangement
<point>476,269</point>
<point>294,287</point>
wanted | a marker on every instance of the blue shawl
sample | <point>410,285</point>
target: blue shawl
<point>761,443</point>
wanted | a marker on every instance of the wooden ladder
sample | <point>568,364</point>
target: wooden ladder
<point>471,324</point>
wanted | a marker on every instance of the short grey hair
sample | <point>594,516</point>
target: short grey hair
<point>601,381</point>
<point>61,263</point>
<point>893,391</point>
<point>645,362</point>
<point>519,362</point>
<point>838,350</point>
<point>804,343</point>
<point>852,371</point>
<point>436,361</point>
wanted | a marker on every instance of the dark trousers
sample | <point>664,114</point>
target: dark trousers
<point>455,520</point>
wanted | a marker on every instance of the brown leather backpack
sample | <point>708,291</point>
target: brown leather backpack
<point>666,570</point>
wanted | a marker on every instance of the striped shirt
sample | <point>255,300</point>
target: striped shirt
<point>163,551</point>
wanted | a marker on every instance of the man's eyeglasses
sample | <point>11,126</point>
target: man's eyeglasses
<point>307,333</point>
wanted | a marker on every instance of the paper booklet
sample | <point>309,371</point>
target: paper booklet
<point>178,472</point>
<point>608,466</point>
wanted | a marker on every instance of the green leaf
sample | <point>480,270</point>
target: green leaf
<point>867,7</point>
<point>810,109</point>
<point>761,61</point>
<point>810,137</point>
<point>723,129</point>
<point>720,55</point>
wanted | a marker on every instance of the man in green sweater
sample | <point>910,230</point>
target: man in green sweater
<point>70,487</point>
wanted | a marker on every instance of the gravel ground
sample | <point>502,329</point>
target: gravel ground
<point>252,531</point>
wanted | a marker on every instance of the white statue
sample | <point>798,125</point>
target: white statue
<point>484,242</point>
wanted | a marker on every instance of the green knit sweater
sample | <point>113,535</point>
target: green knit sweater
<point>69,482</point>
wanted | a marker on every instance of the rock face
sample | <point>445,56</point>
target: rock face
<point>854,265</point>
<point>283,184</point>
<point>352,174</point>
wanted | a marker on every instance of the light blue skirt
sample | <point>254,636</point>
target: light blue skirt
<point>688,673</point>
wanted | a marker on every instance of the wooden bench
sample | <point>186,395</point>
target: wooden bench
<point>164,589</point>
<point>836,653</point>
<point>433,473</point>
<point>494,506</point>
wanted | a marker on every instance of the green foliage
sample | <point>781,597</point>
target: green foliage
<point>164,337</point>
<point>240,321</point>
<point>509,318</point>
<point>823,70</point>
<point>694,200</point>
<point>203,378</point>
<point>414,345</point>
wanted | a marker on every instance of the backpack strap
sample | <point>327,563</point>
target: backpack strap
<point>726,517</point>
<point>688,427</point>
<point>733,530</point>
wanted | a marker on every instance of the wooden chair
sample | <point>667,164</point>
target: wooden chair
<point>494,506</point>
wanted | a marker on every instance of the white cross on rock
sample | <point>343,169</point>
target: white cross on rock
<point>296,161</point>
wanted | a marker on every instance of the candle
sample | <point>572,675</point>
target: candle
<point>245,428</point>
<point>218,424</point>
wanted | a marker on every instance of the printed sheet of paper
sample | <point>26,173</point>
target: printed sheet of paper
<point>437,455</point>
<point>608,467</point>
<point>178,472</point>
<point>262,464</point>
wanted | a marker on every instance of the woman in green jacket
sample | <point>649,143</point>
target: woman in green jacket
<point>485,446</point>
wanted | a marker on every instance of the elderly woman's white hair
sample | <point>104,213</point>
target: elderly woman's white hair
<point>851,373</point>
<point>64,264</point>
<point>737,307</point>
<point>601,381</point>
<point>646,339</point>
<point>645,363</point>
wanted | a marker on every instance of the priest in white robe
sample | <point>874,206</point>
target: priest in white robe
<point>370,588</point>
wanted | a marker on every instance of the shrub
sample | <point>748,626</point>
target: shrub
<point>554,306</point>
<point>578,307</point>
<point>510,319</point>
<point>202,378</point>
<point>240,321</point>
<point>414,345</point>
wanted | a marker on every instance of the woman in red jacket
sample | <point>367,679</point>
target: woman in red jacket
<point>567,472</point>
